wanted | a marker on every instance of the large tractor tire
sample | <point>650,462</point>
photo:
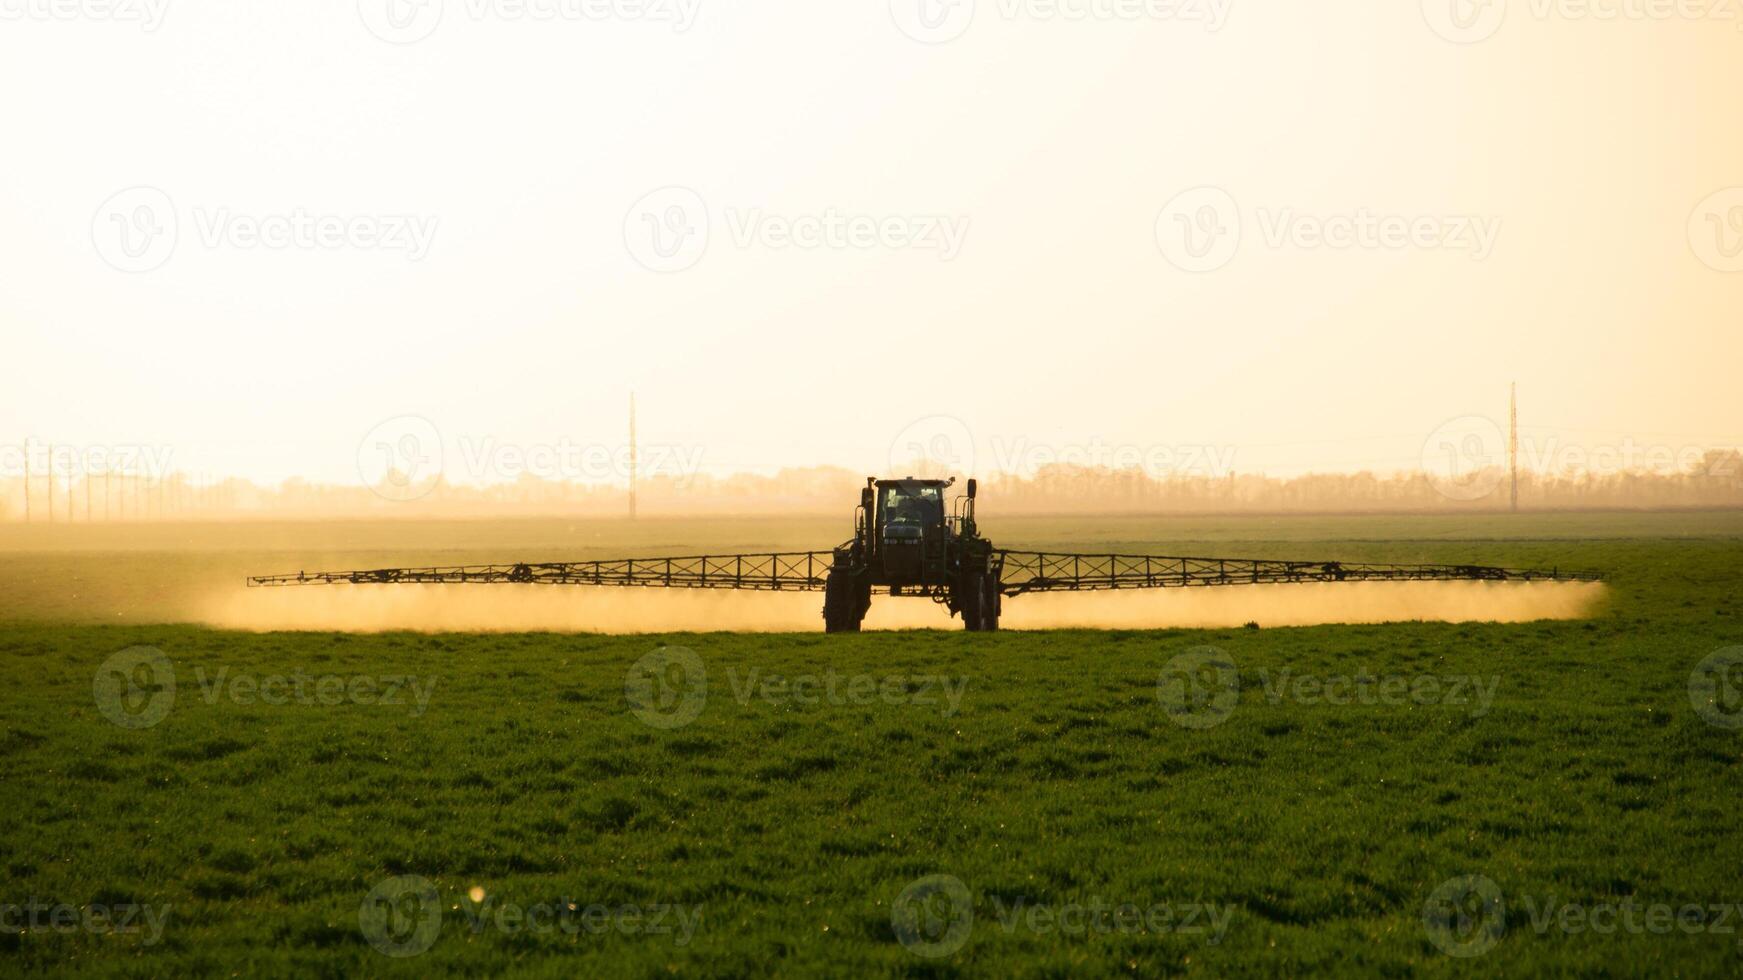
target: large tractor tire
<point>843,606</point>
<point>980,602</point>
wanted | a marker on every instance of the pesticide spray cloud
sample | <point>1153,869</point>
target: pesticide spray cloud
<point>461,608</point>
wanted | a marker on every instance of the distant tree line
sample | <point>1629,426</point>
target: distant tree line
<point>1715,481</point>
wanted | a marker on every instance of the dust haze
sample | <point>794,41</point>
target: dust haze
<point>570,609</point>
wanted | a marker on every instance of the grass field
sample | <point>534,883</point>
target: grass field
<point>924,803</point>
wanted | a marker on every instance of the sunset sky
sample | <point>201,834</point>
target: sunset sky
<point>504,223</point>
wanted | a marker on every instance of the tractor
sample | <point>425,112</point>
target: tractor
<point>906,540</point>
<point>909,540</point>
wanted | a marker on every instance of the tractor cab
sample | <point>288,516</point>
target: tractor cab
<point>909,529</point>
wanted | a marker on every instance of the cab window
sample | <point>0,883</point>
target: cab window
<point>921,506</point>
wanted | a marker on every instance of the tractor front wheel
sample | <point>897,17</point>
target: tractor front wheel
<point>842,608</point>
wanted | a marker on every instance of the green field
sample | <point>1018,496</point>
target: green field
<point>923,803</point>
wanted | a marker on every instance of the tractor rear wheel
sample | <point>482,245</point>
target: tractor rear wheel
<point>980,602</point>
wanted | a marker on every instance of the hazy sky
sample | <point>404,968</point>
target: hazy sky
<point>254,232</point>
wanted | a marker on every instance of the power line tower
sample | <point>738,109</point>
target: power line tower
<point>632,459</point>
<point>1513,444</point>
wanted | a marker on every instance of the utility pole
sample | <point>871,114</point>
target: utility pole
<point>27,480</point>
<point>50,482</point>
<point>1513,443</point>
<point>632,459</point>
